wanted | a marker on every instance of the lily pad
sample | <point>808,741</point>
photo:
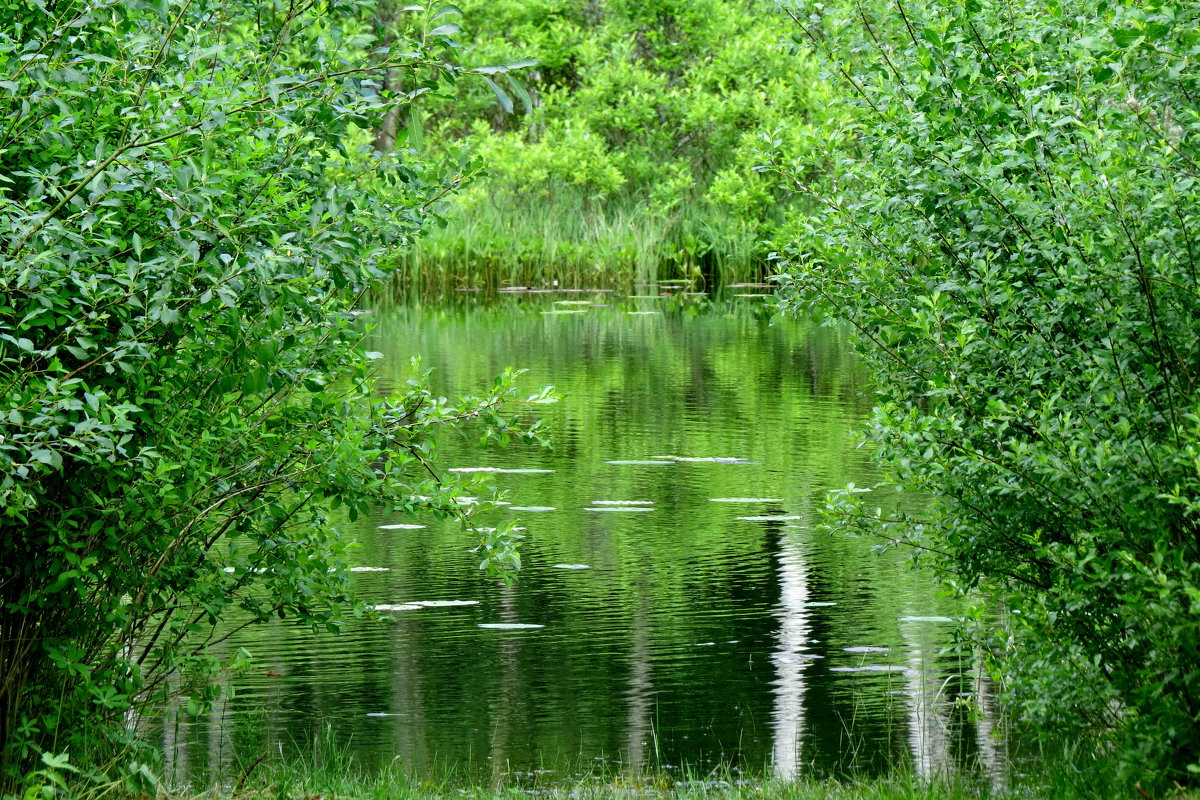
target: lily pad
<point>745,499</point>
<point>707,459</point>
<point>618,508</point>
<point>771,517</point>
<point>502,470</point>
<point>570,566</point>
<point>443,603</point>
<point>510,626</point>
<point>401,526</point>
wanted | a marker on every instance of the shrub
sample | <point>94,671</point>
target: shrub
<point>185,404</point>
<point>1010,227</point>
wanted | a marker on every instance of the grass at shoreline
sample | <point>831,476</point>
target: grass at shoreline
<point>339,779</point>
<point>509,238</point>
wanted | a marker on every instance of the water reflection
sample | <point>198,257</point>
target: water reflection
<point>702,632</point>
<point>792,656</point>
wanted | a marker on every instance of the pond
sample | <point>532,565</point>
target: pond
<point>677,606</point>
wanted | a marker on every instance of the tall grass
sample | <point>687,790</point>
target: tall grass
<point>1053,782</point>
<point>507,237</point>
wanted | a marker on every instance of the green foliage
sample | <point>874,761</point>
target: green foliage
<point>185,400</point>
<point>636,142</point>
<point>1010,226</point>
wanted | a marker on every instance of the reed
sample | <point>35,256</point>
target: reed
<point>506,237</point>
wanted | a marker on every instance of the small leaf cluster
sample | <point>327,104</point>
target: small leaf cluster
<point>185,405</point>
<point>1009,223</point>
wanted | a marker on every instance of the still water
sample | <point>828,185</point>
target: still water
<point>689,611</point>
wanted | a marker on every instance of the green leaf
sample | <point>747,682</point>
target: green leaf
<point>502,97</point>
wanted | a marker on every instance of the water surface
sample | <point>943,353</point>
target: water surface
<point>676,607</point>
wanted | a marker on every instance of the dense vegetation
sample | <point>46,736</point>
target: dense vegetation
<point>1009,223</point>
<point>999,198</point>
<point>185,399</point>
<point>632,150</point>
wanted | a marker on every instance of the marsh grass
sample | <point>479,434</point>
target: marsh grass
<point>558,233</point>
<point>330,772</point>
<point>396,784</point>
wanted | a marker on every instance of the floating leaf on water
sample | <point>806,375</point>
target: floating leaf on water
<point>926,619</point>
<point>569,566</point>
<point>707,459</point>
<point>510,626</point>
<point>634,462</point>
<point>401,526</point>
<point>397,607</point>
<point>532,508</point>
<point>370,569</point>
<point>622,502</point>
<point>870,668</point>
<point>618,508</point>
<point>442,603</point>
<point>745,500</point>
<point>502,470</point>
<point>866,649</point>
<point>771,517</point>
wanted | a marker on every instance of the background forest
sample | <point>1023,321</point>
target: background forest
<point>998,199</point>
<point>632,150</point>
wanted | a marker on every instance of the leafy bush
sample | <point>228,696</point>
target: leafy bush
<point>641,118</point>
<point>185,400</point>
<point>1010,225</point>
